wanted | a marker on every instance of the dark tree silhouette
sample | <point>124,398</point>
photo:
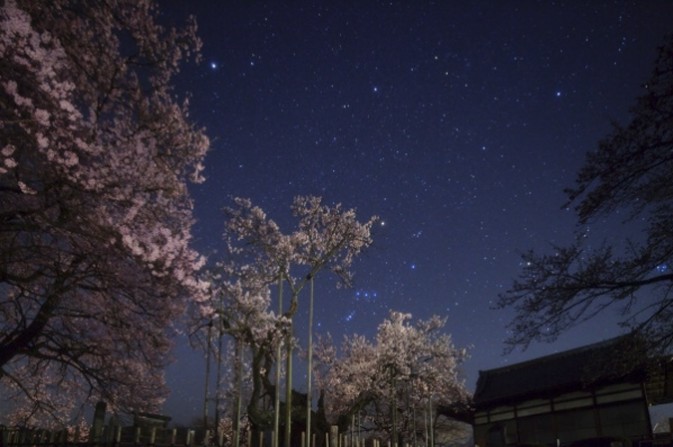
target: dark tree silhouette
<point>631,171</point>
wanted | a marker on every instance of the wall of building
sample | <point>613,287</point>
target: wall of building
<point>618,411</point>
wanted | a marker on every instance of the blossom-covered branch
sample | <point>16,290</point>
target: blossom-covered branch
<point>407,366</point>
<point>96,152</point>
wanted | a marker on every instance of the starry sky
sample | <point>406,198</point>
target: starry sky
<point>459,123</point>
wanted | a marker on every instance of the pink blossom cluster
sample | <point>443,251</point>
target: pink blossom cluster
<point>96,153</point>
<point>416,364</point>
<point>325,237</point>
<point>262,257</point>
<point>243,305</point>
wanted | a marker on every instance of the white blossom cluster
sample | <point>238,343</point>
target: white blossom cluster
<point>262,257</point>
<point>96,152</point>
<point>407,367</point>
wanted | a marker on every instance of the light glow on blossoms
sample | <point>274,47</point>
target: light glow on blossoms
<point>412,362</point>
<point>260,255</point>
<point>96,155</point>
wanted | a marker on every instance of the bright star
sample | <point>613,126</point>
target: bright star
<point>213,65</point>
<point>367,296</point>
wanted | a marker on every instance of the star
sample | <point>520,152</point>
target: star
<point>401,125</point>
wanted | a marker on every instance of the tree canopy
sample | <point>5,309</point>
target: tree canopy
<point>390,381</point>
<point>96,152</point>
<point>259,257</point>
<point>631,174</point>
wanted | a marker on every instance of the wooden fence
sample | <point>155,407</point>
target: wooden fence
<point>138,436</point>
<point>110,436</point>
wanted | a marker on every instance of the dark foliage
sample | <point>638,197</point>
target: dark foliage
<point>632,171</point>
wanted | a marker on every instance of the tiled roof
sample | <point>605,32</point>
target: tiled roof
<point>547,376</point>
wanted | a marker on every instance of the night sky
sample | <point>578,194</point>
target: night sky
<point>459,123</point>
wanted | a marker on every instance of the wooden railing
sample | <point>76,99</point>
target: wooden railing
<point>137,436</point>
<point>110,436</point>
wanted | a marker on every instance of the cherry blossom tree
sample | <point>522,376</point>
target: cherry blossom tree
<point>240,308</point>
<point>326,238</point>
<point>96,152</point>
<point>390,382</point>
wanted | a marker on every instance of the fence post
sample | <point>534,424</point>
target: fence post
<point>30,435</point>
<point>136,437</point>
<point>98,422</point>
<point>118,435</point>
<point>153,435</point>
<point>334,435</point>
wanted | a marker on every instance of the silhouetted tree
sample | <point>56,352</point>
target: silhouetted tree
<point>629,174</point>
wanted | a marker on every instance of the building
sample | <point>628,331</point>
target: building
<point>574,395</point>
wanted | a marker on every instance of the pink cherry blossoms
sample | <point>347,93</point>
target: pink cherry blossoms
<point>262,258</point>
<point>406,368</point>
<point>95,157</point>
<point>326,237</point>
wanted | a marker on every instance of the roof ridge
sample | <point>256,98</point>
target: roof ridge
<point>556,355</point>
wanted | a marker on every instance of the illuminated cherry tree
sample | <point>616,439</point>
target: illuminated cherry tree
<point>388,384</point>
<point>325,238</point>
<point>240,307</point>
<point>96,151</point>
